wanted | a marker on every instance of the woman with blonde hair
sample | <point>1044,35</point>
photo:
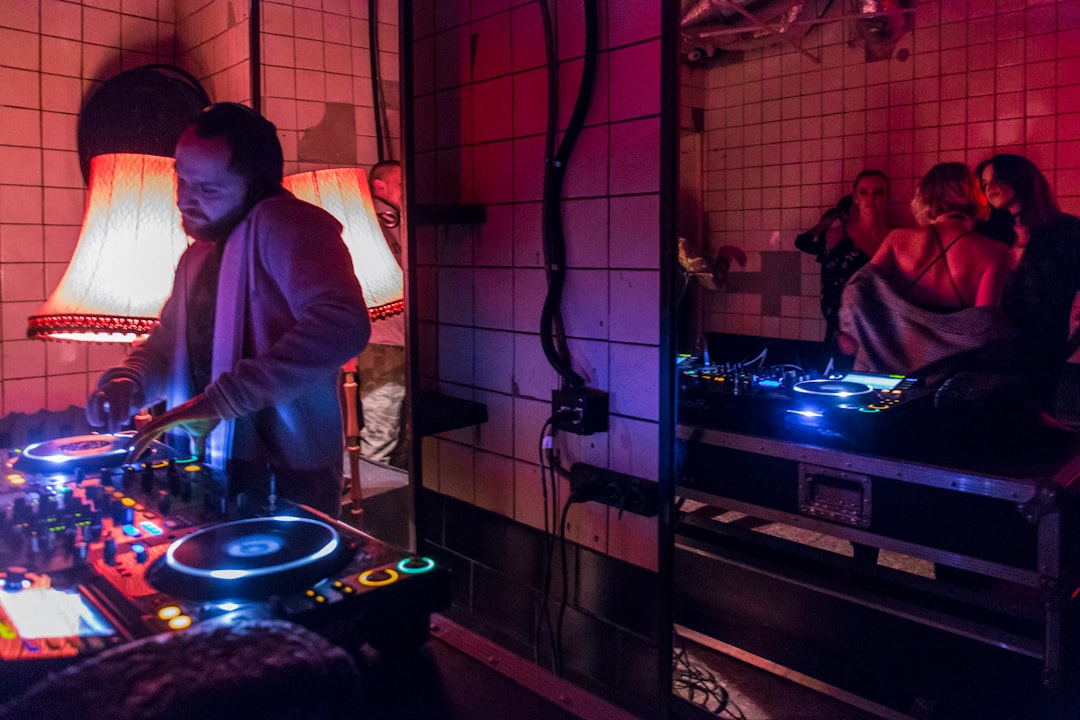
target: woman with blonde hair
<point>928,301</point>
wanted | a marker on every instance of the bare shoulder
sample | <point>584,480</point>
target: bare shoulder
<point>899,234</point>
<point>988,246</point>
<point>987,252</point>
<point>897,240</point>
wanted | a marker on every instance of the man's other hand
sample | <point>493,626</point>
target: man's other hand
<point>196,417</point>
<point>113,404</point>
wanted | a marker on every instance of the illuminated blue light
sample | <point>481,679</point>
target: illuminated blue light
<point>403,566</point>
<point>229,574</point>
<point>807,413</point>
<point>131,531</point>
<point>769,383</point>
<point>237,573</point>
<point>150,527</point>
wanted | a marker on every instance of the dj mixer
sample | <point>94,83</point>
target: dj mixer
<point>96,552</point>
<point>852,409</point>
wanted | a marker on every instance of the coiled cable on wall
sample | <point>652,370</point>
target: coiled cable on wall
<point>555,162</point>
<point>377,96</point>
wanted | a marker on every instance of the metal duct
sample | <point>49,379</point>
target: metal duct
<point>712,26</point>
<point>717,27</point>
<point>882,24</point>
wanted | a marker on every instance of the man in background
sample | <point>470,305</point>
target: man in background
<point>382,364</point>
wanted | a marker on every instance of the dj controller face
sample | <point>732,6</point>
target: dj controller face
<point>853,409</point>
<point>95,553</point>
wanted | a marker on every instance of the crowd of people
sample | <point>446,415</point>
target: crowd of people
<point>983,283</point>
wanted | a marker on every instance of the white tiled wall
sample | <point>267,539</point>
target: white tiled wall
<point>212,44</point>
<point>316,52</point>
<point>481,115</point>
<point>53,53</point>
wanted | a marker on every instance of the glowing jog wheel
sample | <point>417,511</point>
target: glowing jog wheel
<point>250,559</point>
<point>832,388</point>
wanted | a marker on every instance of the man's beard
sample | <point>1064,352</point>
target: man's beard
<point>217,231</point>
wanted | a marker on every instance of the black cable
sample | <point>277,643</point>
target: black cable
<point>549,458</point>
<point>695,679</point>
<point>758,351</point>
<point>544,615</point>
<point>565,586</point>
<point>255,55</point>
<point>555,162</point>
<point>376,75</point>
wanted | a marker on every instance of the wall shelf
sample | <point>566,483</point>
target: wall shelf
<point>437,413</point>
<point>447,214</point>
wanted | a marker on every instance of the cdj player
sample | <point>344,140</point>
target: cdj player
<point>853,410</point>
<point>95,553</point>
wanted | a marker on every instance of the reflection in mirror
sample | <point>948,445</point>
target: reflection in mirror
<point>329,82</point>
<point>774,129</point>
<point>773,137</point>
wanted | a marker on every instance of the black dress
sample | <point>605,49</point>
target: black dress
<point>838,264</point>
<point>1038,299</point>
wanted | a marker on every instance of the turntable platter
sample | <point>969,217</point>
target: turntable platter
<point>250,559</point>
<point>64,455</point>
<point>832,388</point>
<point>85,452</point>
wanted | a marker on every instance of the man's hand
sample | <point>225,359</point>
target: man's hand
<point>196,417</point>
<point>113,404</point>
<point>847,343</point>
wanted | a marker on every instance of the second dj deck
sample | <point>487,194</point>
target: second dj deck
<point>853,409</point>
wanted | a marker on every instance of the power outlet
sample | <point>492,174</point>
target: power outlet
<point>588,410</point>
<point>625,492</point>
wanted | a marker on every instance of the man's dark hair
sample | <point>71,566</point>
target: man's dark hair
<point>253,145</point>
<point>381,169</point>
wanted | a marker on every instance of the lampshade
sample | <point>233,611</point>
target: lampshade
<point>122,269</point>
<point>344,193</point>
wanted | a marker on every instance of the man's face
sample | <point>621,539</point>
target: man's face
<point>210,196</point>
<point>388,187</point>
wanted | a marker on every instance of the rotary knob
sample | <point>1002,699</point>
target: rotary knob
<point>164,503</point>
<point>108,551</point>
<point>13,578</point>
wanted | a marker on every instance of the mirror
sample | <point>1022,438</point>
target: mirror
<point>773,132</point>
<point>772,136</point>
<point>313,69</point>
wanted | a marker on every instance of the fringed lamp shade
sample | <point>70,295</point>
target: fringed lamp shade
<point>122,269</point>
<point>344,193</point>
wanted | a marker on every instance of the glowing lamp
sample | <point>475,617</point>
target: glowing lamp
<point>344,193</point>
<point>122,269</point>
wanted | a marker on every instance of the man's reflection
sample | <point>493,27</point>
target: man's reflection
<point>382,364</point>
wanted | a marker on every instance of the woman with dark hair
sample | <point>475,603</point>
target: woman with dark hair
<point>926,303</point>
<point>1039,293</point>
<point>845,239</point>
